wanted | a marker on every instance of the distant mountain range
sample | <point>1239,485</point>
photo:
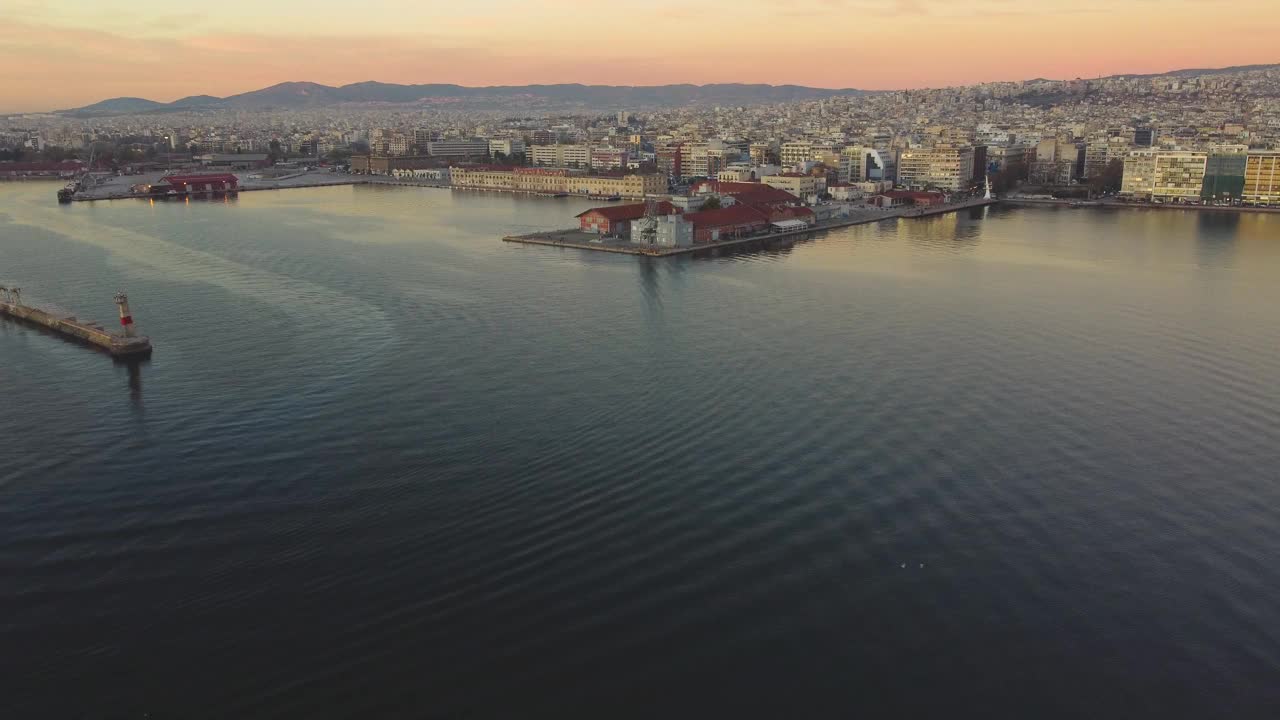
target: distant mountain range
<point>308,95</point>
<point>291,95</point>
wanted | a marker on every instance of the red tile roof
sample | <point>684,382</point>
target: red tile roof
<point>764,195</point>
<point>735,215</point>
<point>635,211</point>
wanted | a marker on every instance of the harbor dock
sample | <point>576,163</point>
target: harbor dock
<point>127,345</point>
<point>581,240</point>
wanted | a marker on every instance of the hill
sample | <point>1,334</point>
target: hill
<point>289,95</point>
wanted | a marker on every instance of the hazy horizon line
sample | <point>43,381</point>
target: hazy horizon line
<point>740,82</point>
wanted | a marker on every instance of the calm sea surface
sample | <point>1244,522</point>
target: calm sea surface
<point>382,465</point>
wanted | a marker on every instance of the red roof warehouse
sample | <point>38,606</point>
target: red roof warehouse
<point>616,219</point>
<point>722,224</point>
<point>224,182</point>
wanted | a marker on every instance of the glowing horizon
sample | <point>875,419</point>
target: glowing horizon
<point>83,52</point>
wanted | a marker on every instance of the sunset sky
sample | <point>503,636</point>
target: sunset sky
<point>74,52</point>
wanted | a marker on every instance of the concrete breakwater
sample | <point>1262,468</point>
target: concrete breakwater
<point>82,331</point>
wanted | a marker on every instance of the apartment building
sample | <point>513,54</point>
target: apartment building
<point>458,148</point>
<point>506,146</point>
<point>556,180</point>
<point>795,152</point>
<point>1164,175</point>
<point>608,158</point>
<point>1262,178</point>
<point>943,167</point>
<point>805,187</point>
<point>559,155</point>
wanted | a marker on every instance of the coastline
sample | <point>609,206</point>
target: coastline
<point>579,240</point>
<point>1095,204</point>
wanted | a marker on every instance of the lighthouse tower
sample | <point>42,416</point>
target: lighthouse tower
<point>126,318</point>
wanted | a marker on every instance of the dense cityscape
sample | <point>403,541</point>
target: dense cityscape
<point>1211,137</point>
<point>728,359</point>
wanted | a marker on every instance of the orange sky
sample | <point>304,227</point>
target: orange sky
<point>74,52</point>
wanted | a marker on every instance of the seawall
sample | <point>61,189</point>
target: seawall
<point>89,333</point>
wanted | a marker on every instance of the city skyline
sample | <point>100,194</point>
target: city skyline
<point>81,54</point>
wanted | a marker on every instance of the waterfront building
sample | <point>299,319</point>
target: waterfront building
<point>946,167</point>
<point>538,180</point>
<point>899,198</point>
<point>556,180</point>
<point>672,231</point>
<point>725,223</point>
<point>627,186</point>
<point>385,165</point>
<point>224,182</point>
<point>1179,176</point>
<point>1262,178</point>
<point>1139,175</point>
<point>616,220</point>
<point>485,178</point>
<point>1164,175</point>
<point>1224,174</point>
<point>437,175</point>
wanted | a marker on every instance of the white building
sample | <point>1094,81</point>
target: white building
<point>506,146</point>
<point>559,155</point>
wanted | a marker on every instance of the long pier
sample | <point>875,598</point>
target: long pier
<point>577,239</point>
<point>128,345</point>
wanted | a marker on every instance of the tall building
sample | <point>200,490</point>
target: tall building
<point>668,159</point>
<point>853,164</point>
<point>1164,175</point>
<point>1179,176</point>
<point>945,167</point>
<point>1101,150</point>
<point>795,152</point>
<point>1224,174</point>
<point>1262,177</point>
<point>703,159</point>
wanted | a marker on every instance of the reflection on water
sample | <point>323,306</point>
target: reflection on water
<point>379,443</point>
<point>133,368</point>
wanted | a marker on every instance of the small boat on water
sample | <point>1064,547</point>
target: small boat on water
<point>561,195</point>
<point>613,198</point>
<point>66,193</point>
